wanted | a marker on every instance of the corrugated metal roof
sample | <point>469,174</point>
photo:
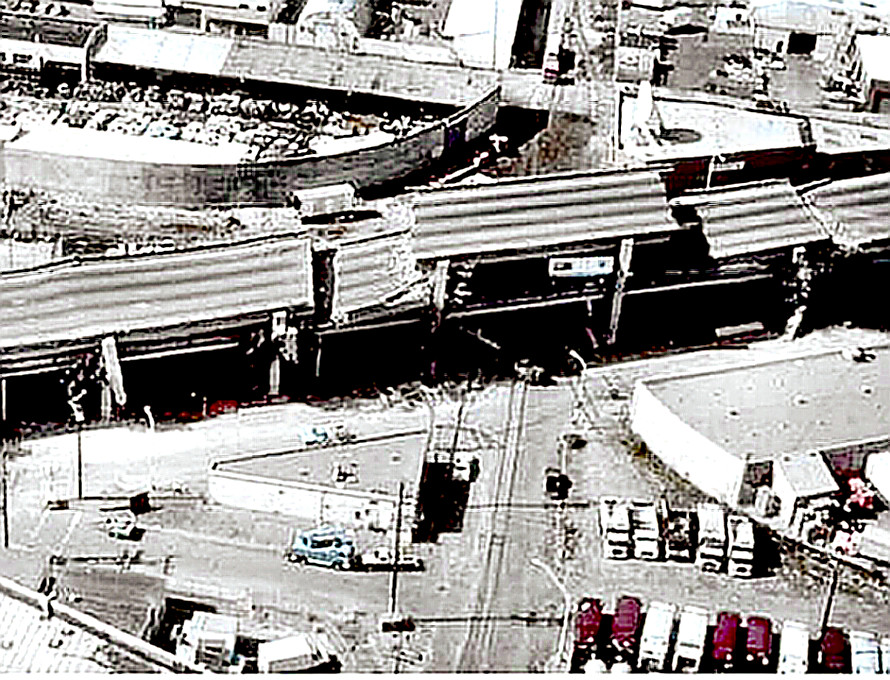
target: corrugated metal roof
<point>71,301</point>
<point>368,74</point>
<point>30,644</point>
<point>527,214</point>
<point>163,50</point>
<point>754,219</point>
<point>859,208</point>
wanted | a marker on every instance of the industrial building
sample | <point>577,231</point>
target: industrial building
<point>771,438</point>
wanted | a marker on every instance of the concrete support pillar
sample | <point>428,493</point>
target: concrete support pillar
<point>106,402</point>
<point>202,22</point>
<point>624,257</point>
<point>275,376</point>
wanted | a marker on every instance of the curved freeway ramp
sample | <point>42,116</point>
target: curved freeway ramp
<point>78,300</point>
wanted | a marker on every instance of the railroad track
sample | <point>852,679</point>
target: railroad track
<point>480,634</point>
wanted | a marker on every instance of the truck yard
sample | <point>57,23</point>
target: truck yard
<point>657,540</point>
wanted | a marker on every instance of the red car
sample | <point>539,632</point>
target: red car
<point>587,622</point>
<point>834,652</point>
<point>760,640</point>
<point>725,635</point>
<point>626,626</point>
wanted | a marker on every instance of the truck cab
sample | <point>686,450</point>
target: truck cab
<point>759,643</point>
<point>741,546</point>
<point>326,547</point>
<point>615,528</point>
<point>794,649</point>
<point>679,533</point>
<point>725,638</point>
<point>711,537</point>
<point>645,530</point>
<point>865,653</point>
<point>626,628</point>
<point>834,652</point>
<point>656,638</point>
<point>587,623</point>
<point>691,634</point>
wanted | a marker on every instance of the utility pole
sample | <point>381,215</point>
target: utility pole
<point>3,490</point>
<point>394,581</point>
<point>829,598</point>
<point>79,461</point>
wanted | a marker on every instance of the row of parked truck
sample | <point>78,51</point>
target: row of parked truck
<point>649,530</point>
<point>665,639</point>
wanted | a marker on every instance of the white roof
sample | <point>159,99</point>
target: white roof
<point>68,141</point>
<point>162,50</point>
<point>477,33</point>
<point>293,647</point>
<point>875,50</point>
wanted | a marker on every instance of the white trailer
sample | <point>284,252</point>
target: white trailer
<point>656,638</point>
<point>615,528</point>
<point>741,546</point>
<point>691,634</point>
<point>877,471</point>
<point>645,530</point>
<point>711,537</point>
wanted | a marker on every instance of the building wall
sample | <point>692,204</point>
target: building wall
<point>311,502</point>
<point>786,495</point>
<point>195,185</point>
<point>690,454</point>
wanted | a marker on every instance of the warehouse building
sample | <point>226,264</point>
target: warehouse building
<point>769,438</point>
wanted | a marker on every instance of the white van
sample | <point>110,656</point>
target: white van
<point>794,648</point>
<point>656,637</point>
<point>865,654</point>
<point>691,634</point>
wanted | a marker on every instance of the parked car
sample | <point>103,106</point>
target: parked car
<point>794,648</point>
<point>382,559</point>
<point>725,638</point>
<point>834,652</point>
<point>121,526</point>
<point>759,645</point>
<point>865,653</point>
<point>326,546</point>
<point>626,627</point>
<point>587,622</point>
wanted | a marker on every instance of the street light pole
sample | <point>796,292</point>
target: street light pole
<point>829,598</point>
<point>79,461</point>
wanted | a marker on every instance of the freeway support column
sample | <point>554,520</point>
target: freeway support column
<point>440,285</point>
<point>624,257</point>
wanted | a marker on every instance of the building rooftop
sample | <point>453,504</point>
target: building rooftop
<point>874,50</point>
<point>379,466</point>
<point>808,474</point>
<point>787,406</point>
<point>164,50</point>
<point>703,129</point>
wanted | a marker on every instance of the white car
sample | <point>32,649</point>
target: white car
<point>865,654</point>
<point>794,648</point>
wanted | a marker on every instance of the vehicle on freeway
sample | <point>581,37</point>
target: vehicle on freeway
<point>587,622</point>
<point>626,628</point>
<point>656,638</point>
<point>326,547</point>
<point>711,537</point>
<point>691,634</point>
<point>885,655</point>
<point>615,528</point>
<point>865,653</point>
<point>313,436</point>
<point>382,559</point>
<point>741,546</point>
<point>794,648</point>
<point>725,638</point>
<point>834,652</point>
<point>121,526</point>
<point>759,643</point>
